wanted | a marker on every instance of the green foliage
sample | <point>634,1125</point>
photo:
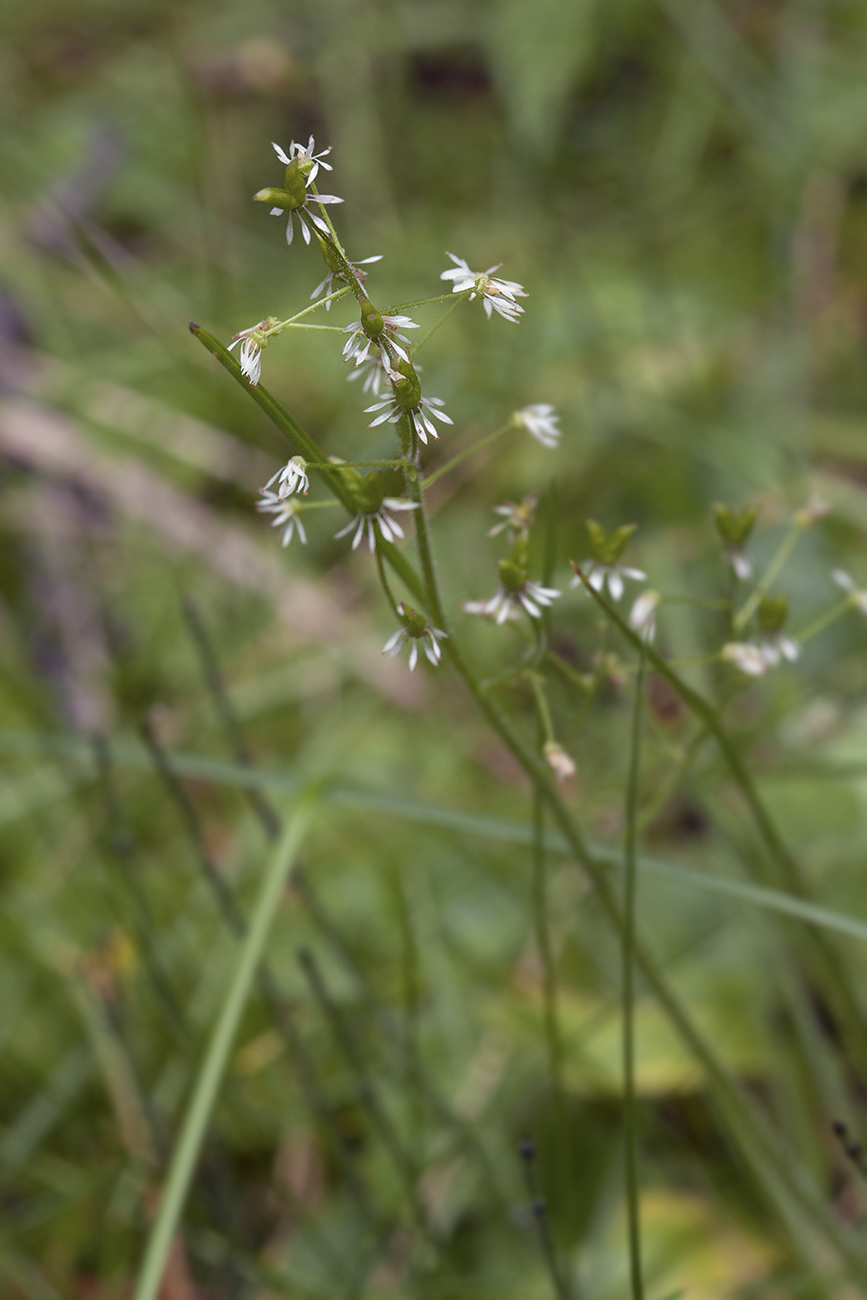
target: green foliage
<point>681,188</point>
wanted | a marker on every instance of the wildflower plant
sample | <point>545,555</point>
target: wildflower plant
<point>384,500</point>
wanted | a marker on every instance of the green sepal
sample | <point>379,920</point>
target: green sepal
<point>371,321</point>
<point>735,526</point>
<point>414,622</point>
<point>407,391</point>
<point>370,492</point>
<point>512,575</point>
<point>607,548</point>
<point>773,612</point>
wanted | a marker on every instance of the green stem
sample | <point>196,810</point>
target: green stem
<point>213,1068</point>
<point>774,568</point>
<point>823,621</point>
<point>545,948</point>
<point>630,894</point>
<point>463,455</point>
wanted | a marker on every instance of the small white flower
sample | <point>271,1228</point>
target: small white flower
<point>773,647</point>
<point>746,657</point>
<point>857,595</point>
<point>250,354</point>
<point>388,527</point>
<point>530,596</point>
<point>559,761</point>
<point>285,512</point>
<point>319,222</point>
<point>598,575</point>
<point>292,477</point>
<point>496,295</point>
<point>739,560</point>
<point>420,415</point>
<point>481,608</point>
<point>540,421</point>
<point>371,370</point>
<point>299,151</point>
<point>398,639</point>
<point>327,285</point>
<point>642,618</point>
<point>358,344</point>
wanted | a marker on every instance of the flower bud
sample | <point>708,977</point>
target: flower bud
<point>371,321</point>
<point>773,612</point>
<point>735,526</point>
<point>414,622</point>
<point>607,548</point>
<point>407,389</point>
<point>559,761</point>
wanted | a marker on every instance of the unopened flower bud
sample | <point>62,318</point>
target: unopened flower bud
<point>559,761</point>
<point>773,612</point>
<point>607,548</point>
<point>735,526</point>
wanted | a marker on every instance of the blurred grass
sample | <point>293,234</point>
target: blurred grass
<point>681,187</point>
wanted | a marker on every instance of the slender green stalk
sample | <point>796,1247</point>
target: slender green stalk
<point>764,585</point>
<point>464,455</point>
<point>630,898</point>
<point>553,1037</point>
<point>213,1068</point>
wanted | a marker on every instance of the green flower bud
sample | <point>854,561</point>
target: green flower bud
<point>407,390</point>
<point>512,575</point>
<point>370,492</point>
<point>733,526</point>
<point>773,612</point>
<point>414,622</point>
<point>371,321</point>
<point>293,194</point>
<point>607,548</point>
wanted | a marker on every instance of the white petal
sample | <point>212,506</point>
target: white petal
<point>280,154</point>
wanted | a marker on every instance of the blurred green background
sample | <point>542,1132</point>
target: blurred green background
<point>681,186</point>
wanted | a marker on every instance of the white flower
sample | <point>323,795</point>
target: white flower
<point>299,151</point>
<point>398,639</point>
<point>497,295</point>
<point>420,415</point>
<point>318,221</point>
<point>746,657</point>
<point>250,354</point>
<point>642,618</point>
<point>530,596</point>
<point>388,527</point>
<point>371,369</point>
<point>327,285</point>
<point>559,761</point>
<point>293,477</point>
<point>857,595</point>
<point>598,575</point>
<point>739,560</point>
<point>359,344</point>
<point>483,610</point>
<point>773,647</point>
<point>285,512</point>
<point>540,421</point>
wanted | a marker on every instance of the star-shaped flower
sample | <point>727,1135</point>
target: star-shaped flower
<point>529,596</point>
<point>416,629</point>
<point>359,343</point>
<point>541,422</point>
<point>327,285</point>
<point>252,342</point>
<point>382,517</point>
<point>420,414</point>
<point>304,154</point>
<point>285,513</point>
<point>292,477</point>
<point>496,295</point>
